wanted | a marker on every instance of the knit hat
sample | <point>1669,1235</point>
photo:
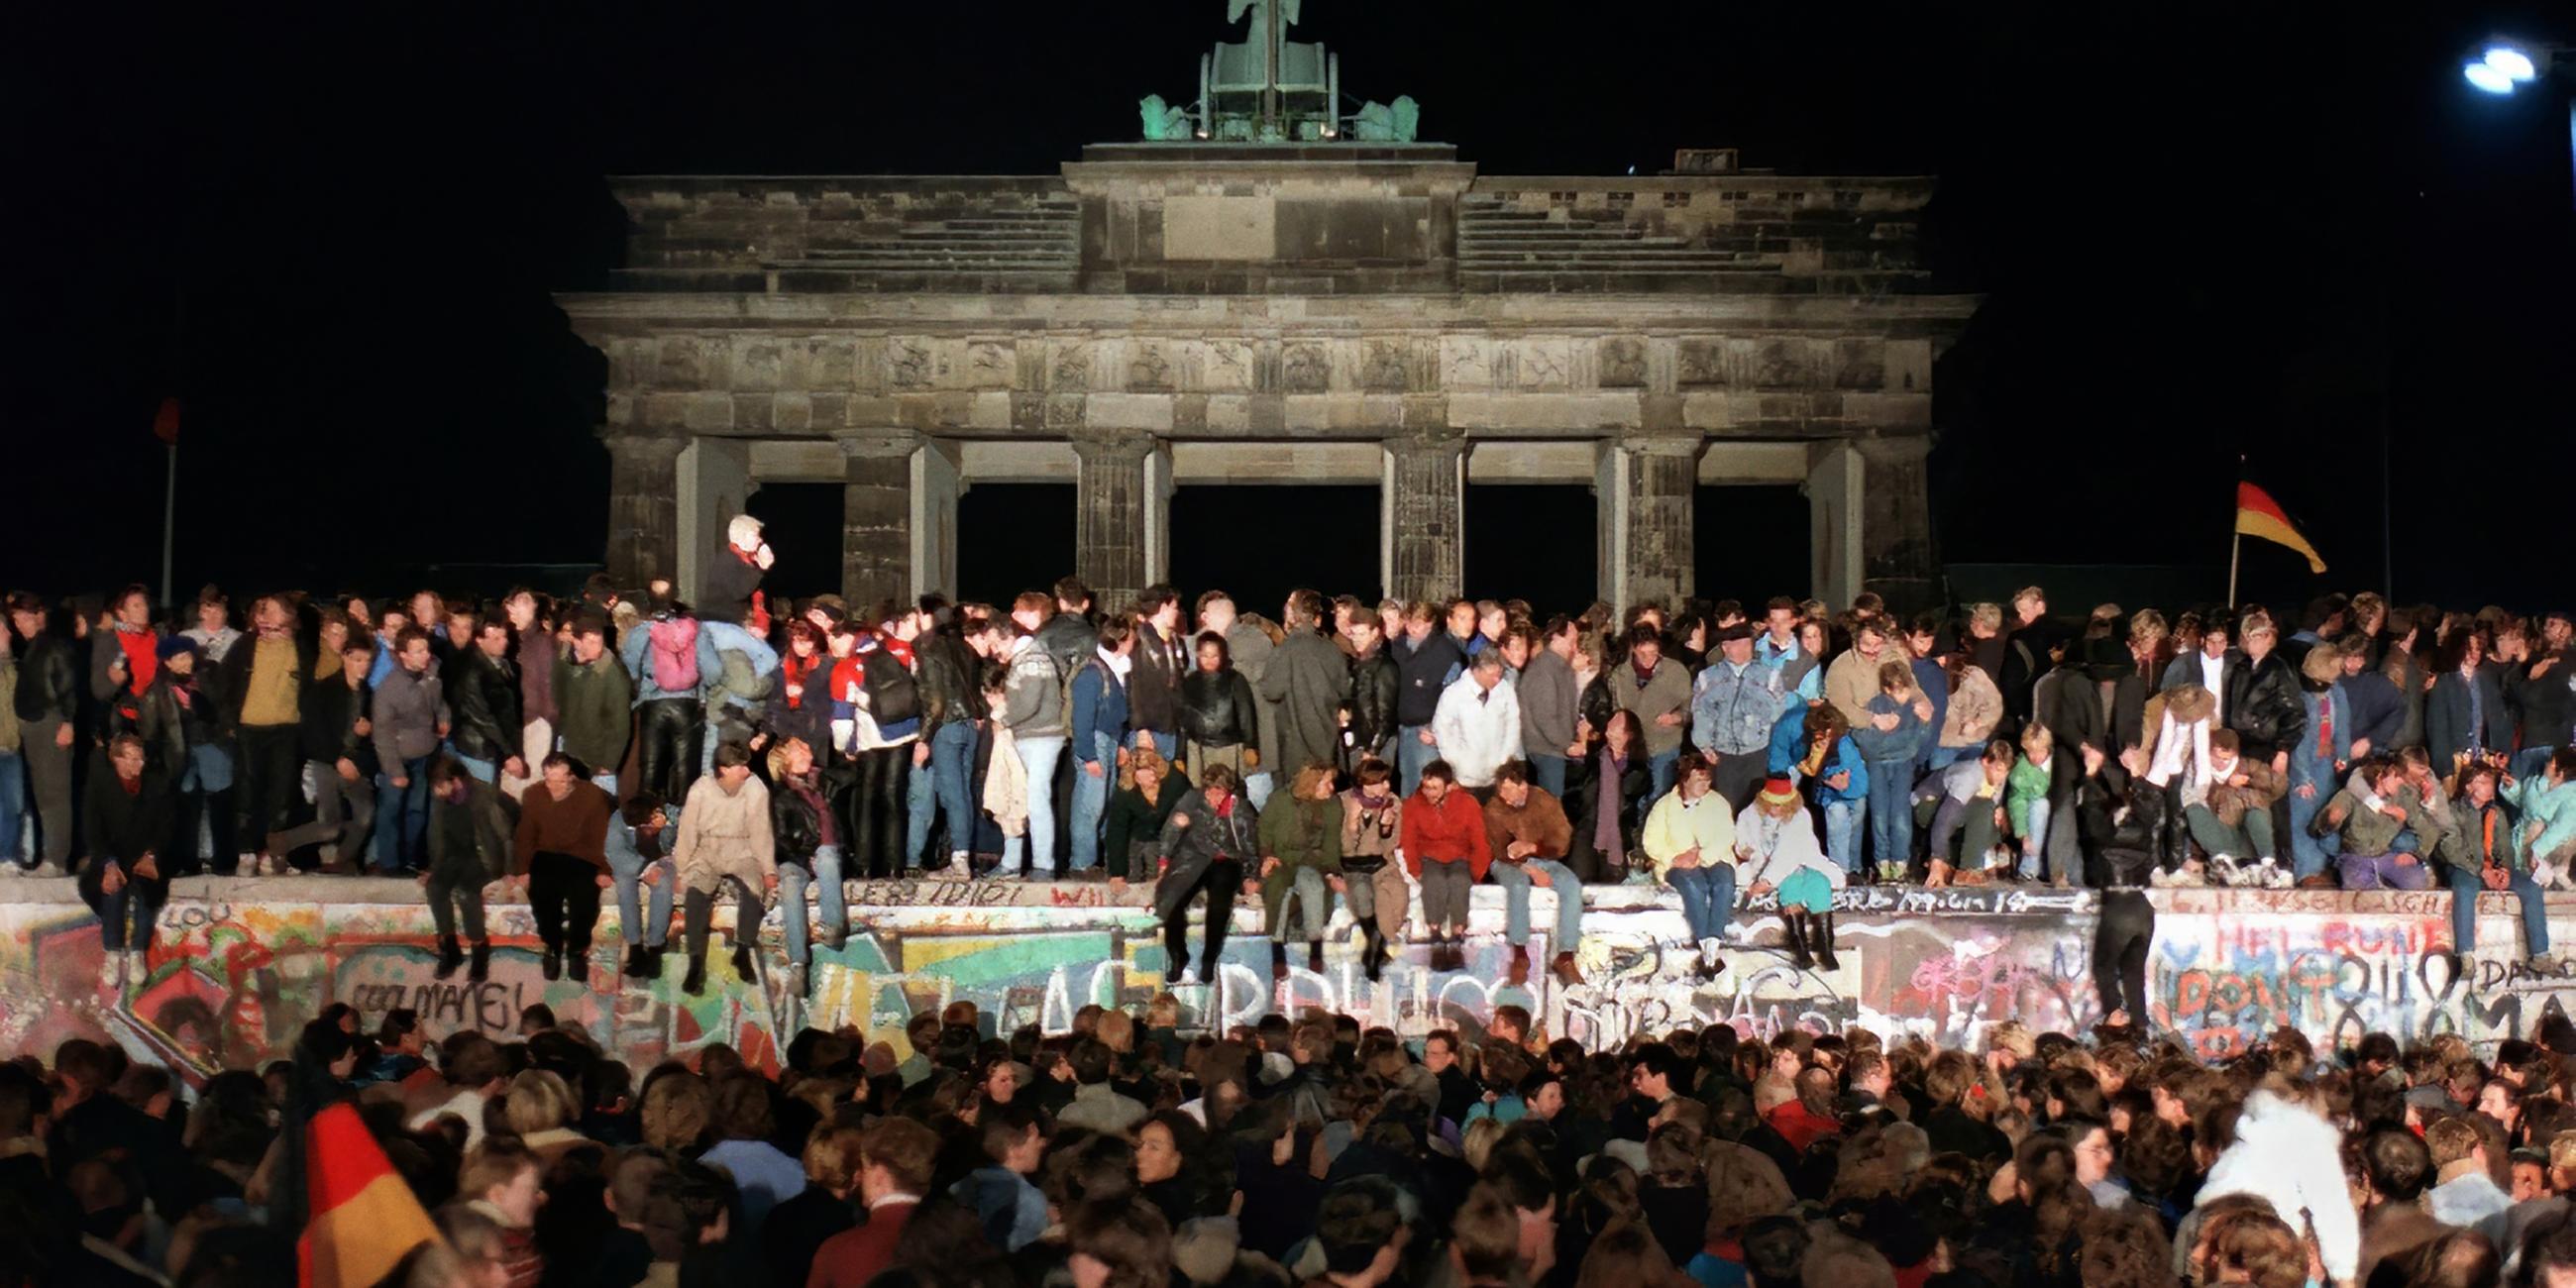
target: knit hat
<point>1779,790</point>
<point>173,645</point>
<point>743,532</point>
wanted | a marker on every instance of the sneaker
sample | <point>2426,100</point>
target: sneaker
<point>1189,978</point>
<point>2161,879</point>
<point>2224,871</point>
<point>2276,877</point>
<point>111,972</point>
<point>2541,964</point>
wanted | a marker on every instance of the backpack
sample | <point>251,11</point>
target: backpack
<point>893,697</point>
<point>674,650</point>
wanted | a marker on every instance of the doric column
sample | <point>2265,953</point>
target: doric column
<point>898,515</point>
<point>1647,487</point>
<point>713,484</point>
<point>1833,521</point>
<point>1896,551</point>
<point>1424,534</point>
<point>1114,526</point>
<point>643,521</point>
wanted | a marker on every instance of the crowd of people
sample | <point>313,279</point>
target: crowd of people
<point>1388,756</point>
<point>1127,1152</point>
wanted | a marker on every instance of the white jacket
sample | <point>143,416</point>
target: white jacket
<point>2292,1159</point>
<point>1767,853</point>
<point>1476,736</point>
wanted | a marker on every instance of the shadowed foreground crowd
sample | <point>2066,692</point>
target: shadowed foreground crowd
<point>1124,1154</point>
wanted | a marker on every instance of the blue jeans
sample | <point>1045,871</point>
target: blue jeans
<point>828,893</point>
<point>952,755</point>
<point>2034,847</point>
<point>1891,812</point>
<point>1549,773</point>
<point>1091,800</point>
<point>485,771</point>
<point>1944,757</point>
<point>1843,821</point>
<point>1514,878</point>
<point>626,869</point>
<point>402,818</point>
<point>1167,744</point>
<point>1661,765</point>
<point>1410,756</point>
<point>2308,853</point>
<point>13,798</point>
<point>2382,872</point>
<point>1708,898</point>
<point>1039,757</point>
<point>2465,887</point>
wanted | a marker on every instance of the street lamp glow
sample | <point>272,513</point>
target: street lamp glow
<point>2511,63</point>
<point>2487,78</point>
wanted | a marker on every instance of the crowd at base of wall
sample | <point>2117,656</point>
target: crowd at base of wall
<point>237,964</point>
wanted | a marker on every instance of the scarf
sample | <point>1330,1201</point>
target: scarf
<point>2186,754</point>
<point>1118,663</point>
<point>1226,810</point>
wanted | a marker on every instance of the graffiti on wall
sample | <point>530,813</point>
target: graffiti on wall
<point>230,979</point>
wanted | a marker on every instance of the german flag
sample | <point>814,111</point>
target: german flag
<point>2258,515</point>
<point>364,1218</point>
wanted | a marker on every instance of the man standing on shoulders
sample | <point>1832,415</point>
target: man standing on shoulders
<point>1735,705</point>
<point>732,582</point>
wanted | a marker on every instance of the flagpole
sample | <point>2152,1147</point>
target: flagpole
<point>2234,545</point>
<point>169,520</point>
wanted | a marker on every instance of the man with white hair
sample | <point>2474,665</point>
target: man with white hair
<point>731,585</point>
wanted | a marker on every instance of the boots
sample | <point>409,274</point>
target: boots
<point>1821,927</point>
<point>1278,962</point>
<point>743,965</point>
<point>449,957</point>
<point>553,963</point>
<point>1568,974</point>
<point>481,969</point>
<point>1372,952</point>
<point>1795,921</point>
<point>696,982</point>
<point>1520,966</point>
<point>1208,968</point>
<point>577,965</point>
<point>1315,956</point>
<point>638,959</point>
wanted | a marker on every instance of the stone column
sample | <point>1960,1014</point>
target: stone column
<point>898,515</point>
<point>1833,490</point>
<point>1897,557</point>
<point>1424,538</point>
<point>713,484</point>
<point>1647,486</point>
<point>643,522</point>
<point>1114,499</point>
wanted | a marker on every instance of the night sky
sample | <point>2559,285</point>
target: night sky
<point>2205,230</point>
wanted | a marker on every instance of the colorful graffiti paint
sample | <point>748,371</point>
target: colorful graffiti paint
<point>237,965</point>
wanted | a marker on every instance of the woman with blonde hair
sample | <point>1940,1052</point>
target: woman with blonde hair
<point>1301,854</point>
<point>1149,789</point>
<point>537,1109</point>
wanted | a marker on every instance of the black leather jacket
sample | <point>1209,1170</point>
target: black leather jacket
<point>1373,688</point>
<point>48,680</point>
<point>1216,709</point>
<point>2124,847</point>
<point>944,670</point>
<point>794,826</point>
<point>483,707</point>
<point>2263,705</point>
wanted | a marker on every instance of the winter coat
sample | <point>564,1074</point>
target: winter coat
<point>1665,691</point>
<point>1303,688</point>
<point>795,825</point>
<point>2377,710</point>
<point>2028,784</point>
<point>1422,674</point>
<point>2263,787</point>
<point>1449,832</point>
<point>1540,821</point>
<point>725,834</point>
<point>1249,649</point>
<point>944,669</point>
<point>1068,638</point>
<point>746,670</point>
<point>1300,834</point>
<point>1005,794</point>
<point>2451,728</point>
<point>122,827</point>
<point>2292,1158</point>
<point>2545,707</point>
<point>800,702</point>
<point>2066,703</point>
<point>2463,844</point>
<point>1369,835</point>
<point>594,706</point>
<point>1217,709</point>
<point>1154,685</point>
<point>48,687</point>
<point>1765,851</point>
<point>1676,825</point>
<point>1852,681</point>
<point>1134,827</point>
<point>535,659</point>
<point>1732,711</point>
<point>1099,707</point>
<point>329,732</point>
<point>1033,694</point>
<point>231,676</point>
<point>1976,709</point>
<point>2131,827</point>
<point>2263,705</point>
<point>404,714</point>
<point>1624,793</point>
<point>1477,729</point>
<point>1892,748</point>
<point>1549,698</point>
<point>1376,682</point>
<point>477,833</point>
<point>1194,839</point>
<point>636,651</point>
<point>484,700</point>
<point>727,584</point>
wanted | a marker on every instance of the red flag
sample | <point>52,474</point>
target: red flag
<point>165,423</point>
<point>364,1220</point>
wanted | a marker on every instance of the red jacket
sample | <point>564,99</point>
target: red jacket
<point>853,1257</point>
<point>1452,830</point>
<point>1798,1126</point>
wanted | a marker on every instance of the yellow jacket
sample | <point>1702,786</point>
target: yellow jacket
<point>1673,826</point>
